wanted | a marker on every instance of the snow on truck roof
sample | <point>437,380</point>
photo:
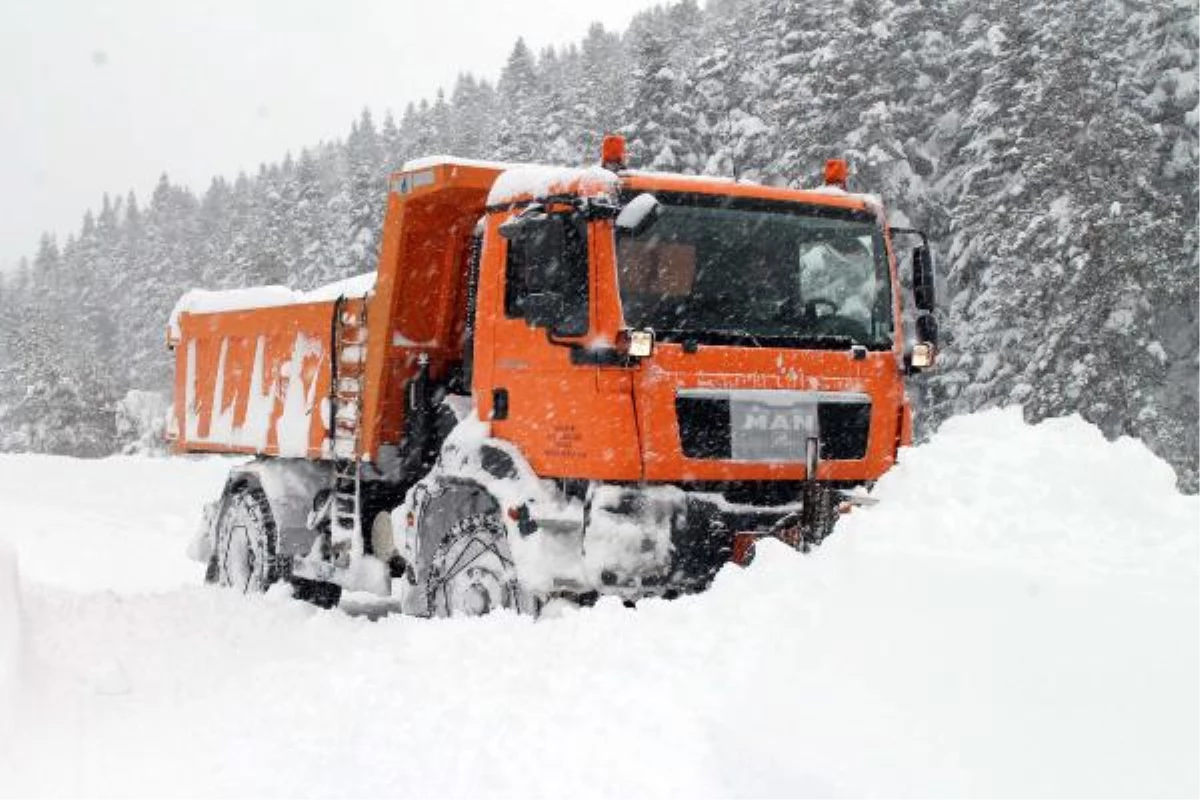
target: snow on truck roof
<point>523,181</point>
<point>517,180</point>
<point>204,301</point>
<point>520,181</point>
<point>540,181</point>
<point>428,162</point>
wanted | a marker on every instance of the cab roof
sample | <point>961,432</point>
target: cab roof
<point>517,183</point>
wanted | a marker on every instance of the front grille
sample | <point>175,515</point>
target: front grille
<point>845,428</point>
<point>704,429</point>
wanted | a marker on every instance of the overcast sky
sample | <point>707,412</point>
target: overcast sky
<point>97,95</point>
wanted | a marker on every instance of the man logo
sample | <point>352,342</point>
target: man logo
<point>762,431</point>
<point>774,421</point>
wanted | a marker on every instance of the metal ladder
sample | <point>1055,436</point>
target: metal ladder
<point>345,394</point>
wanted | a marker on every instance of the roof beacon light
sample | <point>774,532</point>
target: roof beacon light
<point>612,152</point>
<point>837,173</point>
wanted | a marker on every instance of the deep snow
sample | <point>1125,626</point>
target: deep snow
<point>1017,617</point>
<point>11,635</point>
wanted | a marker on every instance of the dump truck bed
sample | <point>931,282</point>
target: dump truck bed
<point>255,380</point>
<point>253,367</point>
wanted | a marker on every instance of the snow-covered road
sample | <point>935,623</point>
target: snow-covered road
<point>1018,617</point>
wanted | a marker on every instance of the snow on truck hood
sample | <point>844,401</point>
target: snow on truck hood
<point>205,301</point>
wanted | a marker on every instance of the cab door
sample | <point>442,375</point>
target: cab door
<point>537,380</point>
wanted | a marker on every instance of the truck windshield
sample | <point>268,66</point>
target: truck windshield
<point>720,270</point>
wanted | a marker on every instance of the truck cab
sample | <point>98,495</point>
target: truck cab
<point>768,319</point>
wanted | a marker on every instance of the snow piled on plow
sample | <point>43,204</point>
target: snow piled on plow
<point>1017,617</point>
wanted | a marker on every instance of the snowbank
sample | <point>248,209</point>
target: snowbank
<point>10,635</point>
<point>115,524</point>
<point>1054,496</point>
<point>1018,617</point>
<point>204,301</point>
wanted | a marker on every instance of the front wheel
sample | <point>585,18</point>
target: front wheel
<point>245,545</point>
<point>471,572</point>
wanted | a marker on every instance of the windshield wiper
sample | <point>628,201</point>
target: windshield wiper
<point>816,341</point>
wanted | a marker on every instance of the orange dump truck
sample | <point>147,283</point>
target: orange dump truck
<point>559,383</point>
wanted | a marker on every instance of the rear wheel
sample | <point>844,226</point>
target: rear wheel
<point>471,572</point>
<point>245,547</point>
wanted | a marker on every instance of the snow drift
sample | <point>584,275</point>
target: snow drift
<point>107,525</point>
<point>10,635</point>
<point>1018,617</point>
<point>1047,497</point>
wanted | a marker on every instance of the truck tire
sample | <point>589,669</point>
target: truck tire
<point>471,572</point>
<point>245,554</point>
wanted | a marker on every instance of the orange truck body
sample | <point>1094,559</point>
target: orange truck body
<point>587,423</point>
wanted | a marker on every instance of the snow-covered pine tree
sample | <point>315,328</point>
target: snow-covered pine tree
<point>601,87</point>
<point>519,127</point>
<point>659,113</point>
<point>472,117</point>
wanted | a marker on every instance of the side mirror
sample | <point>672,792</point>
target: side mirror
<point>554,272</point>
<point>544,240</point>
<point>927,328</point>
<point>924,294</point>
<point>639,214</point>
